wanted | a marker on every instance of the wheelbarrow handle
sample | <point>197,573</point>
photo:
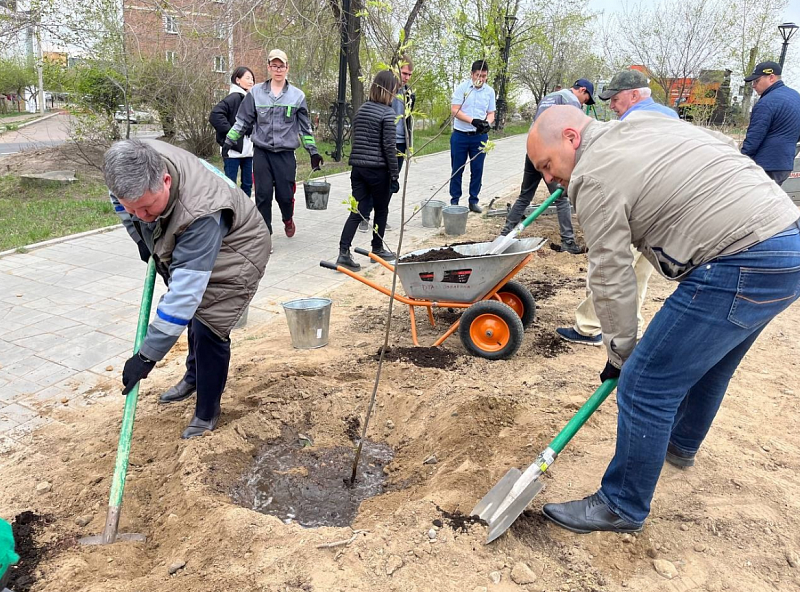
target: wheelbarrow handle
<point>361,251</point>
<point>327,265</point>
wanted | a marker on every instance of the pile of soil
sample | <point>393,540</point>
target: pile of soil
<point>443,254</point>
<point>424,357</point>
<point>26,526</point>
<point>729,523</point>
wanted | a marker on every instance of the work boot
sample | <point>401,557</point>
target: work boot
<point>384,254</point>
<point>588,515</point>
<point>473,207</point>
<point>346,260</point>
<point>289,228</point>
<point>363,226</point>
<point>572,247</point>
<point>678,458</point>
<point>179,392</point>
<point>197,427</point>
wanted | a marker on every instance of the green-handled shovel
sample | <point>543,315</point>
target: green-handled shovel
<point>512,494</point>
<point>110,534</point>
<point>501,243</point>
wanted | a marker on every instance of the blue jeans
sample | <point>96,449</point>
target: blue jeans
<point>672,385</point>
<point>462,146</point>
<point>232,166</point>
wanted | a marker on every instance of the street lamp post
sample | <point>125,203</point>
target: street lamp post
<point>499,120</point>
<point>787,30</point>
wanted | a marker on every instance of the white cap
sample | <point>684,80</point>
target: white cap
<point>277,54</point>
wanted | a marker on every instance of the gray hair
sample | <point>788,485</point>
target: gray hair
<point>645,92</point>
<point>131,168</point>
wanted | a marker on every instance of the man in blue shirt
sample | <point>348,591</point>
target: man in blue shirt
<point>473,107</point>
<point>774,128</point>
<point>628,93</point>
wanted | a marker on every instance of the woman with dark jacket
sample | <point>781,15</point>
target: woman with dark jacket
<point>374,176</point>
<point>222,118</point>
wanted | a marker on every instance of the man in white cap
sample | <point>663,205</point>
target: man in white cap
<point>277,113</point>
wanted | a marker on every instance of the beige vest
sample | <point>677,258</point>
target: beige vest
<point>198,190</point>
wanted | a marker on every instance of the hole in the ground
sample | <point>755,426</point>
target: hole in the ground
<point>298,482</point>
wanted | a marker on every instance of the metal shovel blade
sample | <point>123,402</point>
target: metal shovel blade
<point>98,539</point>
<point>501,522</point>
<point>499,245</point>
<point>492,500</point>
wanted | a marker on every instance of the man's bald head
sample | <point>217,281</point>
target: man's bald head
<point>553,141</point>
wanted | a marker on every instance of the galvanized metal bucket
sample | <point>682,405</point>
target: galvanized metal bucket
<point>432,214</point>
<point>317,193</point>
<point>309,320</point>
<point>455,219</point>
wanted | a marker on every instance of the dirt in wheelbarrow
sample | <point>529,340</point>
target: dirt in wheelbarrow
<point>727,524</point>
<point>443,254</point>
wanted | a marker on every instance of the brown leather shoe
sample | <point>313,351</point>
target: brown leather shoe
<point>289,228</point>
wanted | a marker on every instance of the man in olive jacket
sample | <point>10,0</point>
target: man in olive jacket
<point>705,216</point>
<point>209,243</point>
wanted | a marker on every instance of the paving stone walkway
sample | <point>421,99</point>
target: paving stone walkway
<point>68,311</point>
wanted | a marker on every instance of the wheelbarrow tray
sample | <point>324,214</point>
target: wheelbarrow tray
<point>466,279</point>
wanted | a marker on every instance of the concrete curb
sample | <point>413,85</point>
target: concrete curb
<point>45,118</point>
<point>61,239</point>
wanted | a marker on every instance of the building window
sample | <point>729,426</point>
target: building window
<point>172,57</point>
<point>170,24</point>
<point>219,64</point>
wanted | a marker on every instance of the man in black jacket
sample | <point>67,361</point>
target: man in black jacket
<point>222,118</point>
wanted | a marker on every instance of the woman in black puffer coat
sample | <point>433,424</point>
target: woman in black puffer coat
<point>374,177</point>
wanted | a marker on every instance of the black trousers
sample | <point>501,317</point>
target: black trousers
<point>207,367</point>
<point>778,176</point>
<point>372,188</point>
<point>274,173</point>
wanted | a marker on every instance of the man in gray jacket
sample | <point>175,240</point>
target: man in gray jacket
<point>277,114</point>
<point>704,215</point>
<point>578,95</point>
<point>210,245</point>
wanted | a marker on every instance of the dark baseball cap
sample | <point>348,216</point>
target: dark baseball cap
<point>588,86</point>
<point>764,69</point>
<point>625,80</point>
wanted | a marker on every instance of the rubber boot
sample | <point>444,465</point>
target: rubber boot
<point>346,260</point>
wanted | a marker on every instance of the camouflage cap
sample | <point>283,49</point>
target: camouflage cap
<point>625,80</point>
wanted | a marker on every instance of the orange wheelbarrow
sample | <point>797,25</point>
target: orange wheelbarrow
<point>497,309</point>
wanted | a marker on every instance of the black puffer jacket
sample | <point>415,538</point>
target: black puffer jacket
<point>374,138</point>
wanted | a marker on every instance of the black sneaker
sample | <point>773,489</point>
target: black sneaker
<point>384,254</point>
<point>572,248</point>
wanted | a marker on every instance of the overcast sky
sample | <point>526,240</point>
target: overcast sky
<point>790,14</point>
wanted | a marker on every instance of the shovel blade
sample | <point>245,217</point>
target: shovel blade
<point>501,522</point>
<point>492,500</point>
<point>499,245</point>
<point>132,537</point>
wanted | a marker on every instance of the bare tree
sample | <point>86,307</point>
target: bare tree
<point>676,39</point>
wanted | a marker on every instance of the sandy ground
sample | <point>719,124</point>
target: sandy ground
<point>729,523</point>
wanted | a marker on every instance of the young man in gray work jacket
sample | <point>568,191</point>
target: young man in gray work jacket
<point>705,216</point>
<point>277,114</point>
<point>210,245</point>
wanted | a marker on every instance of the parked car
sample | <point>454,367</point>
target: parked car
<point>134,116</point>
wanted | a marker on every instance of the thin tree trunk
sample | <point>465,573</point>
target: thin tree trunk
<point>747,99</point>
<point>354,55</point>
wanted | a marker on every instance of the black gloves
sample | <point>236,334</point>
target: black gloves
<point>609,372</point>
<point>229,145</point>
<point>136,368</point>
<point>395,185</point>
<point>316,162</point>
<point>481,125</point>
<point>144,252</point>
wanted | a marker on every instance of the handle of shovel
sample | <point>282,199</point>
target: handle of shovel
<point>361,251</point>
<point>584,413</point>
<point>129,413</point>
<point>537,212</point>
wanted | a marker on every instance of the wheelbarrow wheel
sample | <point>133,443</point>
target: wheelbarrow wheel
<point>519,298</point>
<point>491,329</point>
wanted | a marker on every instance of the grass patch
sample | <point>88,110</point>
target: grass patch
<point>31,215</point>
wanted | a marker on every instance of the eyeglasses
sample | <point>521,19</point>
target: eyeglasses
<point>277,67</point>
